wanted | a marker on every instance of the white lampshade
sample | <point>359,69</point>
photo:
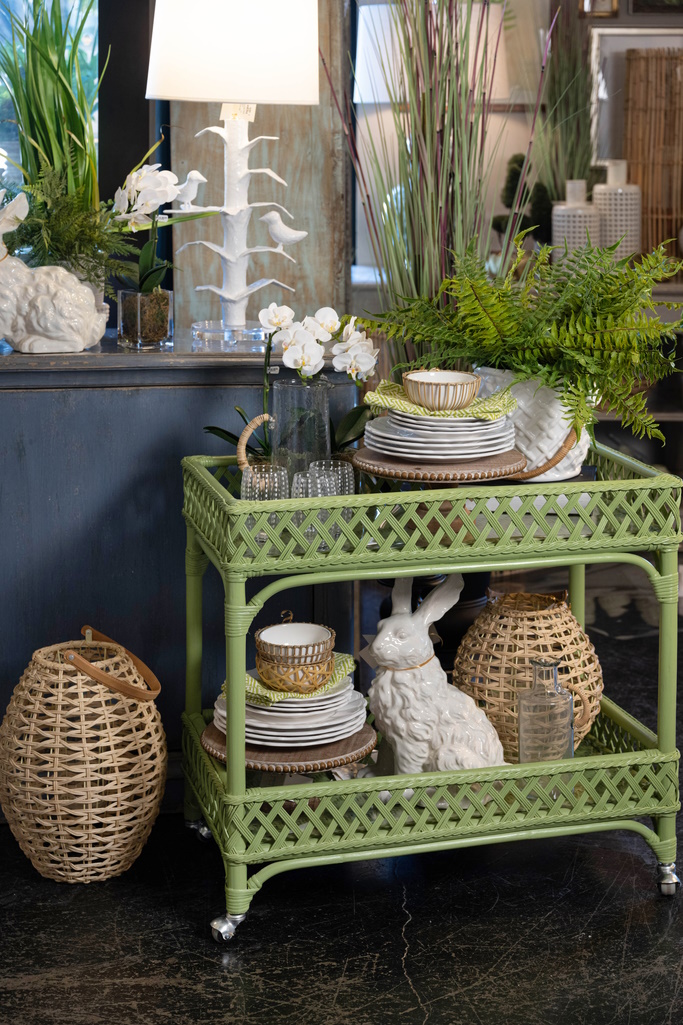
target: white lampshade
<point>235,51</point>
<point>378,44</point>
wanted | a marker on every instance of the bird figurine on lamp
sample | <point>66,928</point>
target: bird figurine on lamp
<point>225,53</point>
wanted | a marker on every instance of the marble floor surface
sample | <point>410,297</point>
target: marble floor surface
<point>533,933</point>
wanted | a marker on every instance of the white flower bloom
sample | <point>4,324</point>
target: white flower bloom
<point>304,354</point>
<point>276,317</point>
<point>357,362</point>
<point>283,338</point>
<point>328,319</point>
<point>121,201</point>
<point>349,329</point>
<point>353,339</point>
<point>313,326</point>
<point>313,369</point>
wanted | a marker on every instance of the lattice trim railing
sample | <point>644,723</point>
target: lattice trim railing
<point>273,823</point>
<point>269,826</point>
<point>480,521</point>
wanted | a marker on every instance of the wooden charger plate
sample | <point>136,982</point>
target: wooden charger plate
<point>301,759</point>
<point>483,468</point>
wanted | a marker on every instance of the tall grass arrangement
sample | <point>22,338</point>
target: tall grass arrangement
<point>563,147</point>
<point>52,102</point>
<point>427,200</point>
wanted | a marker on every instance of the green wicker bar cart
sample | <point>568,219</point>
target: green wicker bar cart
<point>622,771</point>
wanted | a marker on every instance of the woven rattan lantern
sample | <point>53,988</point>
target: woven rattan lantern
<point>82,759</point>
<point>493,662</point>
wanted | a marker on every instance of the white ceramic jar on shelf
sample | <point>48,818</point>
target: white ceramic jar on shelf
<point>576,220</point>
<point>619,206</point>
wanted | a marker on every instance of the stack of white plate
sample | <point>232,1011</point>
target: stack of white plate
<point>429,439</point>
<point>302,722</point>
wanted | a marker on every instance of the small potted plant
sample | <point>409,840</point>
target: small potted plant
<point>145,309</point>
<point>60,230</point>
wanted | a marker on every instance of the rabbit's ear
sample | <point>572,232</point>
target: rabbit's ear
<point>441,599</point>
<point>402,596</point>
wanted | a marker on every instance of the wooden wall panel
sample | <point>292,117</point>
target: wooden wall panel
<point>311,157</point>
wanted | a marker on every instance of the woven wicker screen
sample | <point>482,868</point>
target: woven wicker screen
<point>493,662</point>
<point>82,769</point>
<point>653,140</point>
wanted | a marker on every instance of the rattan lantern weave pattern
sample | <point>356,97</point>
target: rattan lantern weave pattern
<point>493,662</point>
<point>82,759</point>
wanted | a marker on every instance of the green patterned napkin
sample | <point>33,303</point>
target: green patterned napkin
<point>259,694</point>
<point>388,395</point>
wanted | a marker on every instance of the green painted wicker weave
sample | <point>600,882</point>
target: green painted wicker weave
<point>622,771</point>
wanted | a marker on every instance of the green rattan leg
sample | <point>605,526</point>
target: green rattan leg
<point>577,592</point>
<point>667,594</point>
<point>237,896</point>
<point>196,563</point>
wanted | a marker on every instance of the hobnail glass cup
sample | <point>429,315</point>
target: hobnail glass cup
<point>340,473</point>
<point>301,488</point>
<point>264,482</point>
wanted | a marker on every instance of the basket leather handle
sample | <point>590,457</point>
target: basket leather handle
<point>241,452</point>
<point>562,451</point>
<point>585,713</point>
<point>111,681</point>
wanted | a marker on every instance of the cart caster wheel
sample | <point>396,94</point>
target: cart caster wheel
<point>223,928</point>
<point>201,829</point>
<point>667,880</point>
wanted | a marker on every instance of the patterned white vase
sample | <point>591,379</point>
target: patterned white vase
<point>540,426</point>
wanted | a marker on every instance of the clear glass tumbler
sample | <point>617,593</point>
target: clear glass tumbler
<point>301,488</point>
<point>264,482</point>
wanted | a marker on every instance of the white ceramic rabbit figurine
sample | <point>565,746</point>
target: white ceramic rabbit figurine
<point>430,724</point>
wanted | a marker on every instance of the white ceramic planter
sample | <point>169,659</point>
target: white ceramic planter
<point>540,424</point>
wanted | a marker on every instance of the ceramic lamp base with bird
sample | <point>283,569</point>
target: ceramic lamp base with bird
<point>234,253</point>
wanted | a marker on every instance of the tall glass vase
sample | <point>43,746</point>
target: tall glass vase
<point>301,423</point>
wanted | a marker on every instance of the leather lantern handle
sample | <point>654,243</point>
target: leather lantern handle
<point>111,681</point>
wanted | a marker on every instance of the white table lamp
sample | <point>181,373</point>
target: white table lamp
<point>238,53</point>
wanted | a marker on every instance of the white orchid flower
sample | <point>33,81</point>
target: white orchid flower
<point>275,317</point>
<point>328,319</point>
<point>357,362</point>
<point>313,326</point>
<point>304,354</point>
<point>284,338</point>
<point>349,329</point>
<point>353,339</point>
<point>121,201</point>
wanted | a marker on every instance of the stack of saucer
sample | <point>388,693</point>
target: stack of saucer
<point>294,723</point>
<point>432,439</point>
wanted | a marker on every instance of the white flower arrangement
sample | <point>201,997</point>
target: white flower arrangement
<point>145,191</point>
<point>303,342</point>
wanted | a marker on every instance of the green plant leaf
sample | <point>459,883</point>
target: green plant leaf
<point>148,257</point>
<point>228,436</point>
<point>350,428</point>
<point>153,278</point>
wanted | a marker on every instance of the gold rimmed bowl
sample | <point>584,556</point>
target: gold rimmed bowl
<point>441,389</point>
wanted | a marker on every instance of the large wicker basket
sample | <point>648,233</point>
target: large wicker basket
<point>493,662</point>
<point>82,759</point>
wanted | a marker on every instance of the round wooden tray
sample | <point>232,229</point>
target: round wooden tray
<point>302,759</point>
<point>484,468</point>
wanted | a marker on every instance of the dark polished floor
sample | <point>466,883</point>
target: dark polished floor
<point>534,933</point>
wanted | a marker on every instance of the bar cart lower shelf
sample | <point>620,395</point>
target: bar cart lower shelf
<point>621,774</point>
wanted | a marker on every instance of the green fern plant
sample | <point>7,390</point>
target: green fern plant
<point>585,325</point>
<point>61,229</point>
